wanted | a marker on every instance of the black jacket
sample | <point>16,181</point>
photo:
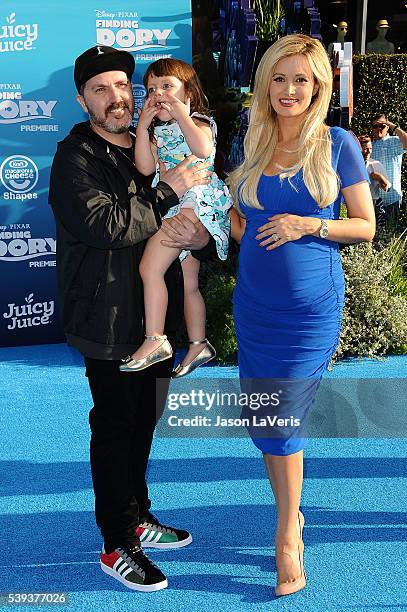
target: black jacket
<point>103,216</point>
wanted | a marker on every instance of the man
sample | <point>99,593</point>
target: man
<point>378,178</point>
<point>389,151</point>
<point>104,212</point>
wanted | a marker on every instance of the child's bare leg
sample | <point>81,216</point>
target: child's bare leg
<point>194,307</point>
<point>153,266</point>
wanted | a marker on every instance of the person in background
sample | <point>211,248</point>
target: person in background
<point>378,178</point>
<point>389,142</point>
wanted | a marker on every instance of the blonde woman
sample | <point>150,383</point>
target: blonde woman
<point>290,288</point>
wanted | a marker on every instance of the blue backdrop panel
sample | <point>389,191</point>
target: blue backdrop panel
<point>39,42</point>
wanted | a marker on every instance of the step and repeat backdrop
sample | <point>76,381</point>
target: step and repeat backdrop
<point>39,42</point>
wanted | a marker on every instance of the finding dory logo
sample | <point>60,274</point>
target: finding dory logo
<point>126,33</point>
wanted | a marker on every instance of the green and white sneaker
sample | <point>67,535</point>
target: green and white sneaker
<point>153,534</point>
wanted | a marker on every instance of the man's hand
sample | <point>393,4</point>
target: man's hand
<point>184,233</point>
<point>390,124</point>
<point>383,182</point>
<point>400,133</point>
<point>181,178</point>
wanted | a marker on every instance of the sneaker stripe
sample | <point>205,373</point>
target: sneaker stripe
<point>151,536</point>
<point>157,538</point>
<point>118,564</point>
<point>123,568</point>
<point>144,534</point>
<point>127,571</point>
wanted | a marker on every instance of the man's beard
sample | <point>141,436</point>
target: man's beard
<point>116,126</point>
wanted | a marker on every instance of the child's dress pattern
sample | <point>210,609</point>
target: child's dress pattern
<point>210,202</point>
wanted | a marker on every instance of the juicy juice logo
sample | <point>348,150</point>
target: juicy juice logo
<point>30,314</point>
<point>17,37</point>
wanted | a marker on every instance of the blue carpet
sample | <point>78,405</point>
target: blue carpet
<point>354,501</point>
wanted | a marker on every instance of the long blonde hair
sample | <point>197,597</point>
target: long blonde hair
<point>314,142</point>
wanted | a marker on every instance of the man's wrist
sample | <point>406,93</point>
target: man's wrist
<point>168,199</point>
<point>205,236</point>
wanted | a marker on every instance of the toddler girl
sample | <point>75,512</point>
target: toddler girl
<point>173,124</point>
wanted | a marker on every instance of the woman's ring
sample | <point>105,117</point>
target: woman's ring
<point>275,237</point>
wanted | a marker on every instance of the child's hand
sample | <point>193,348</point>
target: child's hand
<point>147,114</point>
<point>176,108</point>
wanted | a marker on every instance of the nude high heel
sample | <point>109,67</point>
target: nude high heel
<point>287,588</point>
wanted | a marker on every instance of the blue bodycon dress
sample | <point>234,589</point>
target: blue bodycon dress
<point>288,302</point>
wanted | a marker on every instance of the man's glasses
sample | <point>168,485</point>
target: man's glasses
<point>379,126</point>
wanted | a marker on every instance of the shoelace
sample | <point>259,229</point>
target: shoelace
<point>161,527</point>
<point>158,524</point>
<point>126,554</point>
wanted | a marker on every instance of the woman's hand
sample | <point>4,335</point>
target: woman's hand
<point>283,228</point>
<point>147,114</point>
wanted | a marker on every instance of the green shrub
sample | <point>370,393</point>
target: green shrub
<point>217,282</point>
<point>380,86</point>
<point>375,311</point>
<point>220,328</point>
<point>385,239</point>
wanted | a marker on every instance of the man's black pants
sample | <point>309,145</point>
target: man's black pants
<point>126,409</point>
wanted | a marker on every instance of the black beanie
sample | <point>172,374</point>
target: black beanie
<point>101,59</point>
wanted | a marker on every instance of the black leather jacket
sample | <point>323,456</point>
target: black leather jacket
<point>104,213</point>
